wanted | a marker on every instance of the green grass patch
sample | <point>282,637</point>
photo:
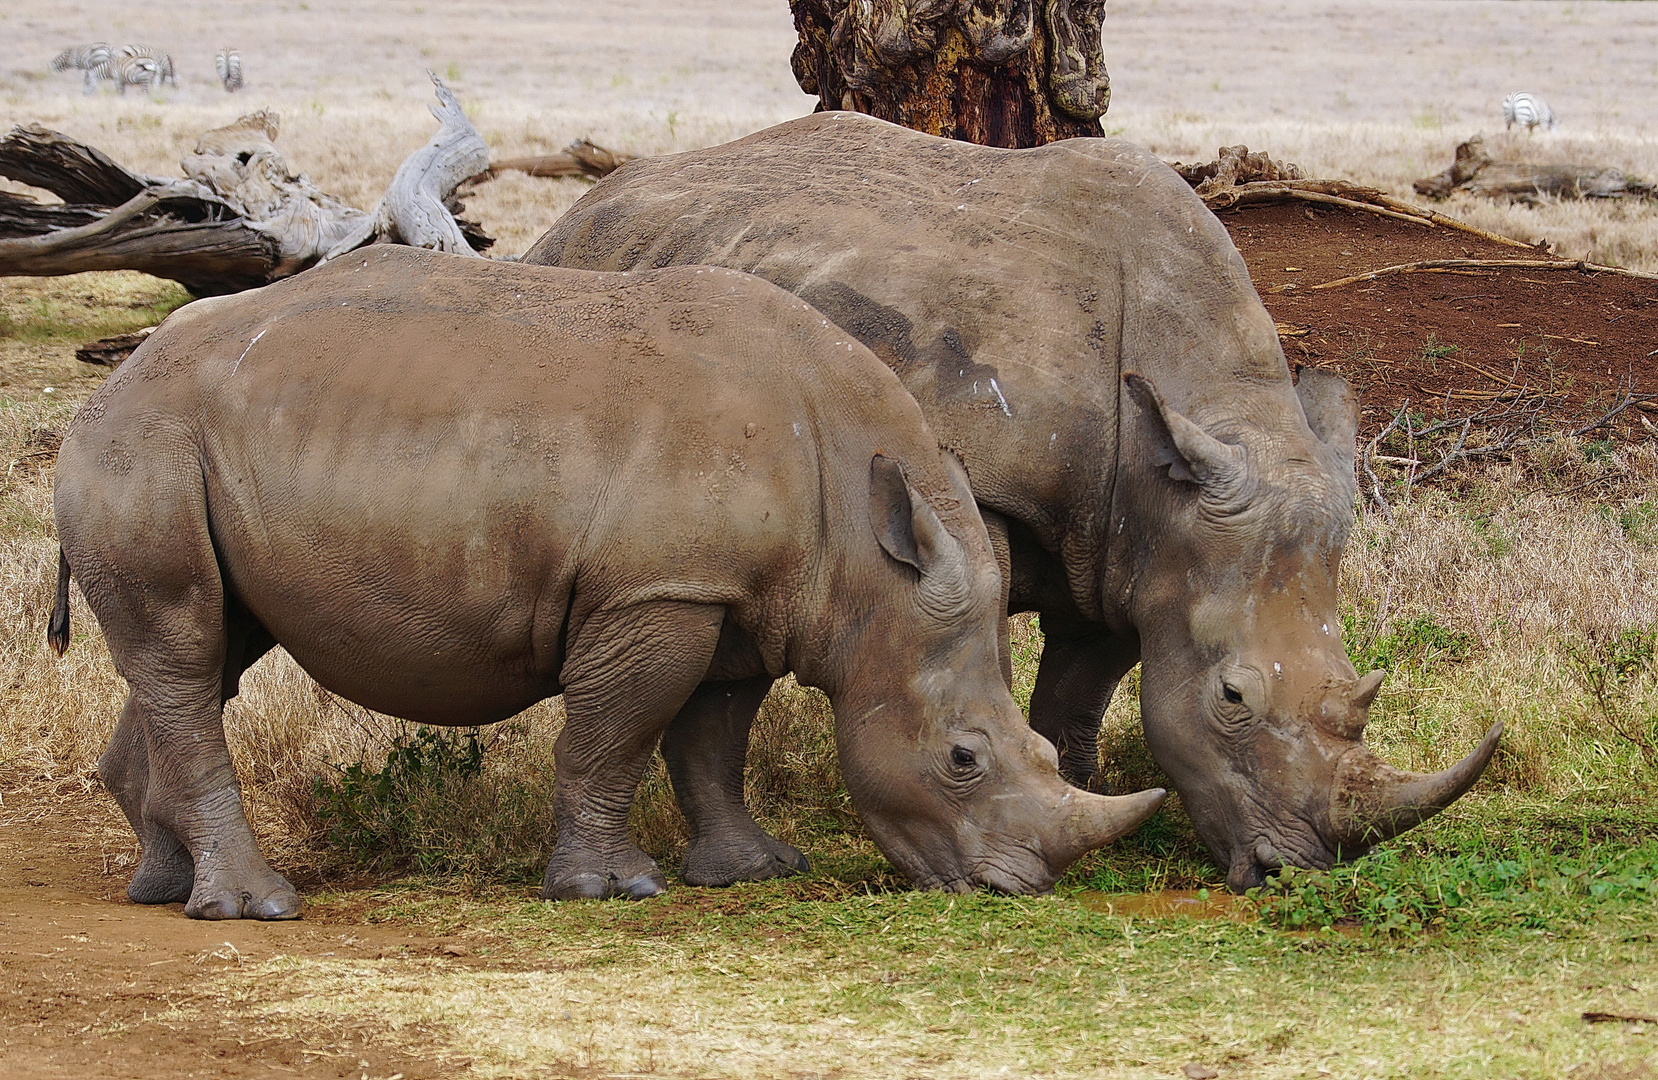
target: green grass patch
<point>1477,890</point>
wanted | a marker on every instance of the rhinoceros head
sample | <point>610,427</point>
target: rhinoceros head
<point>952,784</point>
<point>1249,701</point>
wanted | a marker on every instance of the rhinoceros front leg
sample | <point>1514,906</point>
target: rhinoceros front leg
<point>706,748</point>
<point>1074,683</point>
<point>629,672</point>
<point>996,525</point>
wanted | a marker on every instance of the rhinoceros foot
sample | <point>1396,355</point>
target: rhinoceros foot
<point>724,861</point>
<point>588,885</point>
<point>268,900</point>
<point>166,874</point>
<point>579,873</point>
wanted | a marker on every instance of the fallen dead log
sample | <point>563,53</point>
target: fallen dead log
<point>111,351</point>
<point>240,218</point>
<point>1237,177</point>
<point>1475,171</point>
<point>116,220</point>
<point>417,209</point>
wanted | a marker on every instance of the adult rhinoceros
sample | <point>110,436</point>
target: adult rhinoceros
<point>451,488</point>
<point>1078,327</point>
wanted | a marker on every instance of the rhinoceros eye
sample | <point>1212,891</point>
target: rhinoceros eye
<point>962,758</point>
<point>1231,693</point>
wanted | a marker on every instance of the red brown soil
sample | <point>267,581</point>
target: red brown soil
<point>1575,338</point>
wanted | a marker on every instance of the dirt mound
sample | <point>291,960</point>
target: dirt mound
<point>1563,345</point>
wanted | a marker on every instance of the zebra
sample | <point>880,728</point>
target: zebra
<point>1528,109</point>
<point>229,65</point>
<point>163,62</point>
<point>92,60</point>
<point>144,71</point>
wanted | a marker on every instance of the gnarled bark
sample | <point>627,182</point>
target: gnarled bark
<point>1010,73</point>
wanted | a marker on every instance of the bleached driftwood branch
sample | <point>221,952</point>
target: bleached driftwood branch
<point>416,209</point>
<point>239,219</point>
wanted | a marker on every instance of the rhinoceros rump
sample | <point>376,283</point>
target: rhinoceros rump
<point>1079,328</point>
<point>451,488</point>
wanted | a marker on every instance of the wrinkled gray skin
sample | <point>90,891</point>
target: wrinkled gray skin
<point>452,488</point>
<point>1080,330</point>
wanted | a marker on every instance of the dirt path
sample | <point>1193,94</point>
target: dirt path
<point>92,985</point>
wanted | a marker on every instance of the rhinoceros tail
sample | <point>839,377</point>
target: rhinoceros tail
<point>57,629</point>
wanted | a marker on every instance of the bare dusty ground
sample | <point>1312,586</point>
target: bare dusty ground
<point>93,985</point>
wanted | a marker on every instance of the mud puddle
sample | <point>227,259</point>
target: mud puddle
<point>1171,904</point>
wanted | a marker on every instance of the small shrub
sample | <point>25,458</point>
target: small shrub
<point>1639,521</point>
<point>432,807</point>
<point>1496,542</point>
<point>1420,642</point>
<point>1599,450</point>
<point>1434,350</point>
<point>1617,673</point>
<point>1388,893</point>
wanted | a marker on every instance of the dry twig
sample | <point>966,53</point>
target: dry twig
<point>1430,266</point>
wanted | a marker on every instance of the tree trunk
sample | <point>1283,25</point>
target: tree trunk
<point>1007,73</point>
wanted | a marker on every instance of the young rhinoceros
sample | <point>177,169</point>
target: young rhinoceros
<point>451,488</point>
<point>1078,326</point>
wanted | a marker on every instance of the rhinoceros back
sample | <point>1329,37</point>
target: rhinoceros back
<point>414,463</point>
<point>1008,289</point>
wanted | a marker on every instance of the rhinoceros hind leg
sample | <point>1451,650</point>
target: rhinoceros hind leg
<point>1074,684</point>
<point>706,748</point>
<point>166,873</point>
<point>169,766</point>
<point>626,675</point>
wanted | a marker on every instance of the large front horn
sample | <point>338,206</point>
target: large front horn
<point>1373,801</point>
<point>1087,821</point>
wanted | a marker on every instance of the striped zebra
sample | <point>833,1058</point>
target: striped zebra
<point>92,60</point>
<point>1528,109</point>
<point>145,71</point>
<point>163,62</point>
<point>229,65</point>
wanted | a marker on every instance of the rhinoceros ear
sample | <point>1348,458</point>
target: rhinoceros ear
<point>1332,410</point>
<point>1191,453</point>
<point>909,530</point>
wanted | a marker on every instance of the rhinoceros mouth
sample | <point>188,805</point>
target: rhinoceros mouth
<point>1252,862</point>
<point>1002,880</point>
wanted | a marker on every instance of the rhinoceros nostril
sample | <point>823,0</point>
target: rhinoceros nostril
<point>1266,855</point>
<point>1245,874</point>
